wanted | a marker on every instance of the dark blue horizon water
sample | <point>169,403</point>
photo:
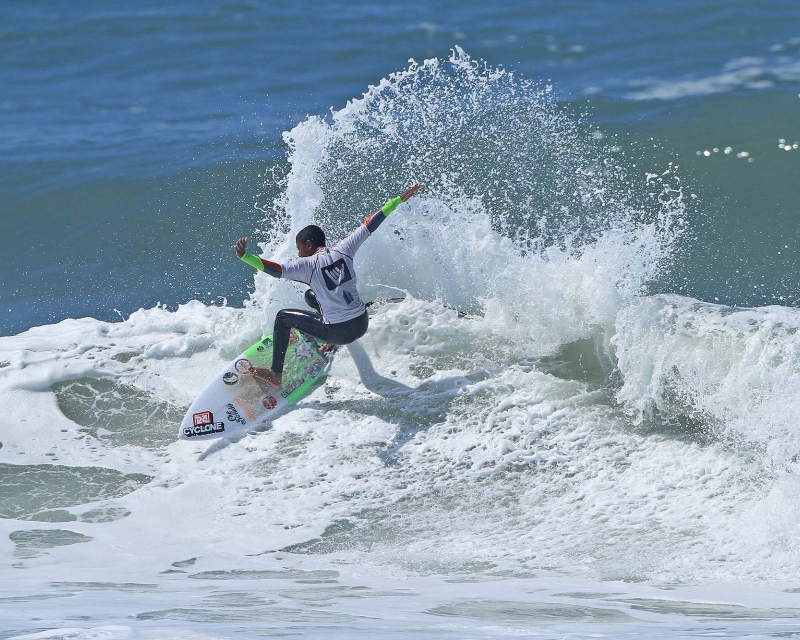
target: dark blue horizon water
<point>135,140</point>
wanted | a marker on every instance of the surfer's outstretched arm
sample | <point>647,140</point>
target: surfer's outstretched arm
<point>270,268</point>
<point>376,217</point>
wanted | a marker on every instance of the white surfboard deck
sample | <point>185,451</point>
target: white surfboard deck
<point>234,401</point>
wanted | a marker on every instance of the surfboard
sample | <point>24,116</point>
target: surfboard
<point>234,401</point>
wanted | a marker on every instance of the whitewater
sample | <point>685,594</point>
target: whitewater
<point>530,441</point>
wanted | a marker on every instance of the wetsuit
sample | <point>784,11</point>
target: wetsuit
<point>330,273</point>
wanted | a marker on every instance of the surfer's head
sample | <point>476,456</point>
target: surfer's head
<point>309,240</point>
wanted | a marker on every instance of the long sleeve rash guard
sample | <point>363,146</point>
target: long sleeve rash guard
<point>330,272</point>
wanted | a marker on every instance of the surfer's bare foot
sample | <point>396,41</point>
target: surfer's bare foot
<point>267,375</point>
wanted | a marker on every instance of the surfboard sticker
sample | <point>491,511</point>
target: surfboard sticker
<point>234,401</point>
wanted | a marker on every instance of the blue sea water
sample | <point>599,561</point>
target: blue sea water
<point>605,433</point>
<point>133,136</point>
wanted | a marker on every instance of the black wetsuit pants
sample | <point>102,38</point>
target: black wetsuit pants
<point>312,323</point>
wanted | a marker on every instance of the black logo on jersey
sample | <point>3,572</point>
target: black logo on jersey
<point>336,274</point>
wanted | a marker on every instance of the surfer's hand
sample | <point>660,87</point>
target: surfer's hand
<point>241,247</point>
<point>410,192</point>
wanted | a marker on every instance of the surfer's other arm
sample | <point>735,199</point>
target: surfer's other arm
<point>308,246</point>
<point>374,219</point>
<point>271,268</point>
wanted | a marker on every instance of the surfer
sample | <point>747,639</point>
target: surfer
<point>342,317</point>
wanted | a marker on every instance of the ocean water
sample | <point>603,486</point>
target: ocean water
<point>582,420</point>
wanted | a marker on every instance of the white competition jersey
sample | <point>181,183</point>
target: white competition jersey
<point>332,277</point>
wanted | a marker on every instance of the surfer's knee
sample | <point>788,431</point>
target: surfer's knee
<point>311,300</point>
<point>284,318</point>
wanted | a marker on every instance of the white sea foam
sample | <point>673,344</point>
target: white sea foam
<point>495,469</point>
<point>734,370</point>
<point>527,409</point>
<point>748,72</point>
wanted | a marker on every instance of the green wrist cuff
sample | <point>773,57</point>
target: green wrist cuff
<point>253,261</point>
<point>391,205</point>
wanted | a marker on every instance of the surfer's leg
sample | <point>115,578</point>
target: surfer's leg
<point>346,332</point>
<point>339,333</point>
<point>311,324</point>
<point>285,321</point>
